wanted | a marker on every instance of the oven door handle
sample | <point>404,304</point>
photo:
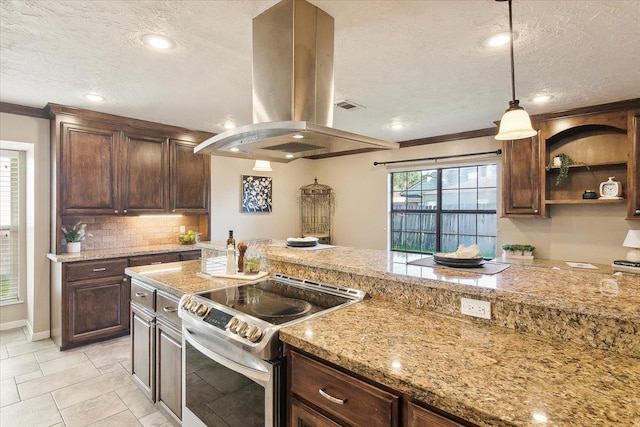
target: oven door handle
<point>260,371</point>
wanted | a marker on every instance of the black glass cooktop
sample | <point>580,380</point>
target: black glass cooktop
<point>274,301</point>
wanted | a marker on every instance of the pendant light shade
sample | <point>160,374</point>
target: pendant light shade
<point>262,166</point>
<point>515,123</point>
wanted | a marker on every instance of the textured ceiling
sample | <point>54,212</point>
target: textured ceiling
<point>418,62</point>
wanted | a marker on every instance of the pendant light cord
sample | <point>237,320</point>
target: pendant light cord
<point>513,72</point>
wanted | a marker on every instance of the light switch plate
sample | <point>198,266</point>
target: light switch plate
<point>476,308</point>
<point>183,229</point>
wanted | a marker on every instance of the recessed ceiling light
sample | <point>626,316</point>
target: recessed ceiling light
<point>298,136</point>
<point>542,98</point>
<point>500,39</point>
<point>228,124</point>
<point>234,149</point>
<point>157,41</point>
<point>289,156</point>
<point>94,98</point>
<point>396,126</point>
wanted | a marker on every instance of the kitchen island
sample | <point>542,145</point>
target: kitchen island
<point>411,338</point>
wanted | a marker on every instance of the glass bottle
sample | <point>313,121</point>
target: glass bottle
<point>231,242</point>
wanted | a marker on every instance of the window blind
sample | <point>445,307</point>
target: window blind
<point>9,225</point>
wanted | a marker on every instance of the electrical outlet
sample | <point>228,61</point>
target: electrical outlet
<point>183,229</point>
<point>476,308</point>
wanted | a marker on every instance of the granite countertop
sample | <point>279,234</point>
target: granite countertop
<point>179,278</point>
<point>542,282</point>
<point>488,375</point>
<point>120,252</point>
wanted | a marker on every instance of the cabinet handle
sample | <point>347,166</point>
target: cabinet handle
<point>141,294</point>
<point>125,211</point>
<point>173,210</point>
<point>637,212</point>
<point>157,262</point>
<point>169,309</point>
<point>100,269</point>
<point>125,280</point>
<point>115,211</point>
<point>331,398</point>
<point>535,211</point>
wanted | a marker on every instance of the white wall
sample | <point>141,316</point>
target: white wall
<point>580,233</point>
<point>35,314</point>
<point>282,222</point>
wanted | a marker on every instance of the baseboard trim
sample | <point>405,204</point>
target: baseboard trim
<point>39,335</point>
<point>13,325</point>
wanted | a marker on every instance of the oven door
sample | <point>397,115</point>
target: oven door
<point>224,385</point>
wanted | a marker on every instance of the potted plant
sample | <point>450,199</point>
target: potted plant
<point>562,161</point>
<point>517,251</point>
<point>74,236</point>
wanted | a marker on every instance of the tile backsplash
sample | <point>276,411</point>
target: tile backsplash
<point>108,232</point>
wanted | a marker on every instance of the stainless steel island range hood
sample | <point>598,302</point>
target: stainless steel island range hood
<point>292,92</point>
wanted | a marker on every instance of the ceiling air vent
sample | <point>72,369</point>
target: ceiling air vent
<point>348,105</point>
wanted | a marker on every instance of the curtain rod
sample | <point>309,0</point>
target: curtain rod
<point>497,153</point>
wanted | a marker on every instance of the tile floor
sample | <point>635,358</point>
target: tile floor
<point>85,386</point>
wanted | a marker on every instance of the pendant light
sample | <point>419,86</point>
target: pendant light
<point>262,166</point>
<point>515,123</point>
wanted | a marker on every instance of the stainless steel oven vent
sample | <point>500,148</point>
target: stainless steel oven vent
<point>292,92</point>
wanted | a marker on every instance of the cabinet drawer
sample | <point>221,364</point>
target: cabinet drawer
<point>95,269</point>
<point>143,295</point>
<point>190,255</point>
<point>167,307</point>
<point>342,396</point>
<point>154,259</point>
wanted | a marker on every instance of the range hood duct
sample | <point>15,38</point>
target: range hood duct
<point>292,92</point>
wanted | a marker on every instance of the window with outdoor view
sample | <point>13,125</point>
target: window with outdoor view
<point>435,210</point>
<point>10,212</point>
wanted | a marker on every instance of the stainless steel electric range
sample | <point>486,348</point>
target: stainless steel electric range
<point>233,360</point>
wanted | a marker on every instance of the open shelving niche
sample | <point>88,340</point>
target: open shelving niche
<point>600,151</point>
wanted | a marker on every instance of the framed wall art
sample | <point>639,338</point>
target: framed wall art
<point>256,194</point>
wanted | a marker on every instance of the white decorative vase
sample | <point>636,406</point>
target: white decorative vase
<point>73,247</point>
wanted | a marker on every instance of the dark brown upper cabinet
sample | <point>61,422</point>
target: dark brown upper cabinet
<point>88,169</point>
<point>603,141</point>
<point>633,211</point>
<point>145,170</point>
<point>110,165</point>
<point>521,193</point>
<point>189,179</point>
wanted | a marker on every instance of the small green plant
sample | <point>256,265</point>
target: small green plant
<point>565,162</point>
<point>517,248</point>
<point>76,233</point>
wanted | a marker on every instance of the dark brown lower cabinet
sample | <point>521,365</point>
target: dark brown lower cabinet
<point>303,416</point>
<point>142,349</point>
<point>320,395</point>
<point>89,301</point>
<point>169,368</point>
<point>156,348</point>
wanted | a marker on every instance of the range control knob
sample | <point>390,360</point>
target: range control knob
<point>185,303</point>
<point>192,306</point>
<point>254,333</point>
<point>233,324</point>
<point>202,310</point>
<point>242,328</point>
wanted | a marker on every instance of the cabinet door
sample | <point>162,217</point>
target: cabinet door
<point>303,416</point>
<point>189,183</point>
<point>97,308</point>
<point>142,350</point>
<point>418,416</point>
<point>521,191</point>
<point>88,169</point>
<point>144,187</point>
<point>190,255</point>
<point>634,165</point>
<point>169,368</point>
